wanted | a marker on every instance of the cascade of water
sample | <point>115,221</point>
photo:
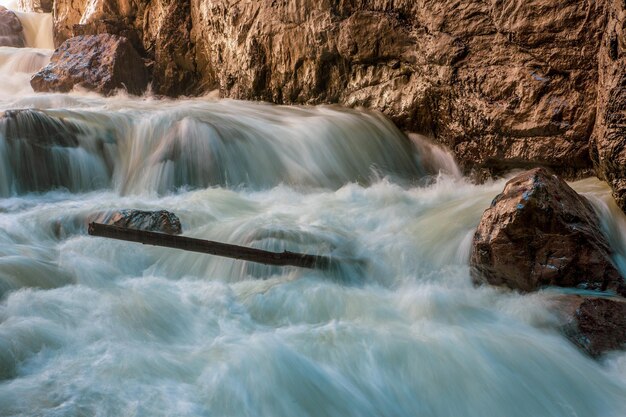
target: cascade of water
<point>202,144</point>
<point>37,29</point>
<point>96,327</point>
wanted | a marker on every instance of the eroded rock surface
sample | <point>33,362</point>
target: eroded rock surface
<point>594,324</point>
<point>154,221</point>
<point>102,63</point>
<point>540,232</point>
<point>609,138</point>
<point>159,29</point>
<point>11,30</point>
<point>504,84</point>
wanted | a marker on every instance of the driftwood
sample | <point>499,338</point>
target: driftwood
<point>214,248</point>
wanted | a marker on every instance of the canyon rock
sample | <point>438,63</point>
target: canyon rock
<point>540,232</point>
<point>504,84</point>
<point>596,325</point>
<point>102,63</point>
<point>158,29</point>
<point>154,221</point>
<point>609,138</point>
<point>11,31</point>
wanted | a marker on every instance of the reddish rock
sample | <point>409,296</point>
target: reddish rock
<point>102,63</point>
<point>154,221</point>
<point>596,325</point>
<point>161,30</point>
<point>11,31</point>
<point>540,232</point>
<point>608,144</point>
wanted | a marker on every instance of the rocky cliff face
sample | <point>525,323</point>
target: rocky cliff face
<point>503,83</point>
<point>609,137</point>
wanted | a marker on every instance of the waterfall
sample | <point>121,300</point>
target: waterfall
<point>199,144</point>
<point>91,326</point>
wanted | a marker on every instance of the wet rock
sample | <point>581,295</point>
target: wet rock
<point>596,325</point>
<point>102,63</point>
<point>11,31</point>
<point>608,140</point>
<point>504,84</point>
<point>539,232</point>
<point>155,221</point>
<point>159,29</point>
<point>38,128</point>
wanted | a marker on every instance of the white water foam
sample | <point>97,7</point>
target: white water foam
<point>90,326</point>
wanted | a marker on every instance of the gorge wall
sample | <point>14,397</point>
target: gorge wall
<point>503,83</point>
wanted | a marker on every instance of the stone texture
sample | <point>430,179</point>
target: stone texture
<point>596,325</point>
<point>154,221</point>
<point>159,29</point>
<point>11,31</point>
<point>504,83</point>
<point>540,232</point>
<point>609,138</point>
<point>102,63</point>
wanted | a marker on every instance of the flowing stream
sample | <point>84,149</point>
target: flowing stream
<point>96,327</point>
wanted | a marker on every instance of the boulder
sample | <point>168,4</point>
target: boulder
<point>540,232</point>
<point>159,29</point>
<point>154,221</point>
<point>11,30</point>
<point>102,63</point>
<point>596,325</point>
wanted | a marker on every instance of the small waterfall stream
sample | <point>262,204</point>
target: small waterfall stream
<point>91,326</point>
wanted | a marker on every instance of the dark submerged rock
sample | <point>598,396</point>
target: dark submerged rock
<point>540,232</point>
<point>102,63</point>
<point>36,146</point>
<point>154,221</point>
<point>596,325</point>
<point>11,30</point>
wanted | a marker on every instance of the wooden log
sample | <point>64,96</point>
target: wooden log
<point>206,246</point>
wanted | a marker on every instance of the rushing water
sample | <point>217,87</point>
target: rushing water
<point>93,327</point>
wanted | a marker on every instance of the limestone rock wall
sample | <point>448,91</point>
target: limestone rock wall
<point>609,138</point>
<point>503,83</point>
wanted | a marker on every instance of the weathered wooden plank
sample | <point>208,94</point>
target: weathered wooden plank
<point>285,258</point>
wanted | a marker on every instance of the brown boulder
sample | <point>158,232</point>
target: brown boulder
<point>540,232</point>
<point>102,63</point>
<point>159,29</point>
<point>11,31</point>
<point>154,221</point>
<point>594,324</point>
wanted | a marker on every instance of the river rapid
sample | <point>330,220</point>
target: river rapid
<point>96,327</point>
